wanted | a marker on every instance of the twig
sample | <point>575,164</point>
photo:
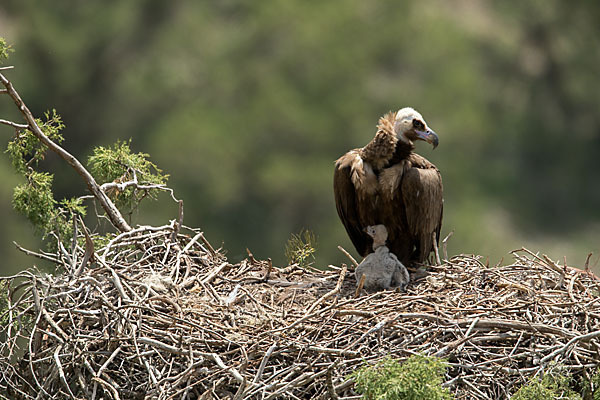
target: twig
<point>38,255</point>
<point>374,329</point>
<point>117,282</point>
<point>251,257</point>
<point>89,249</point>
<point>330,389</point>
<point>349,256</point>
<point>445,244</point>
<point>586,267</point>
<point>453,345</point>
<point>113,391</point>
<point>109,360</point>
<point>360,285</point>
<point>331,293</point>
<point>214,273</point>
<point>210,248</point>
<point>179,223</point>
<point>264,362</point>
<point>74,245</point>
<point>13,124</point>
<point>40,307</point>
<point>435,249</point>
<point>61,372</point>
<point>269,269</point>
<point>222,365</point>
<point>569,344</point>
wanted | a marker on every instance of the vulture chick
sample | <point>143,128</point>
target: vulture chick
<point>381,268</point>
<point>386,183</point>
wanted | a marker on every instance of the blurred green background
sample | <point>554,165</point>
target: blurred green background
<point>246,104</point>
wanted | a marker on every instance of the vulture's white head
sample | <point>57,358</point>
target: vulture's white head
<point>409,126</point>
<point>379,234</point>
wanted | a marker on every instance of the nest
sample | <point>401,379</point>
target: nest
<point>157,314</point>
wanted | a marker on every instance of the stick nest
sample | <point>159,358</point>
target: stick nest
<point>158,315</point>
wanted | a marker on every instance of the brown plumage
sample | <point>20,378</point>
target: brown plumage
<point>386,183</point>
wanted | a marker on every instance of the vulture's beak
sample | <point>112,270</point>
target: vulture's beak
<point>429,136</point>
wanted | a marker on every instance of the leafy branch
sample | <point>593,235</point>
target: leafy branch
<point>129,177</point>
<point>34,128</point>
<point>126,178</point>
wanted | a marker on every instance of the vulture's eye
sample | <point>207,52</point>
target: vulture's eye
<point>418,124</point>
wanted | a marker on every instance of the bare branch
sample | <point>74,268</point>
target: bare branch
<point>13,124</point>
<point>122,186</point>
<point>340,248</point>
<point>38,255</point>
<point>445,244</point>
<point>435,249</point>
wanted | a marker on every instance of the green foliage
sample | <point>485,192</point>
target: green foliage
<point>591,387</point>
<point>101,241</point>
<point>25,150</point>
<point>594,388</point>
<point>24,320</point>
<point>118,164</point>
<point>5,49</point>
<point>35,201</point>
<point>301,248</point>
<point>73,206</point>
<point>3,304</point>
<point>553,385</point>
<point>417,378</point>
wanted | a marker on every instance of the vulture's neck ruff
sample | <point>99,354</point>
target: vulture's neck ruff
<point>385,148</point>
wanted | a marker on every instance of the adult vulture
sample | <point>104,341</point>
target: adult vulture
<point>386,183</point>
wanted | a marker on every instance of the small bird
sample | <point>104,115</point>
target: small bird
<point>386,182</point>
<point>382,269</point>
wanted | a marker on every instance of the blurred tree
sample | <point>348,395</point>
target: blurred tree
<point>547,81</point>
<point>247,104</point>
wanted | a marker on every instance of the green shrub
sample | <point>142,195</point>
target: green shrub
<point>417,378</point>
<point>25,149</point>
<point>301,248</point>
<point>34,198</point>
<point>591,387</point>
<point>118,164</point>
<point>4,50</point>
<point>553,385</point>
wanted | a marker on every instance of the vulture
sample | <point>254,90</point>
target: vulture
<point>387,183</point>
<point>381,268</point>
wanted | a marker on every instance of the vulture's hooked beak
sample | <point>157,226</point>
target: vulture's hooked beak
<point>429,136</point>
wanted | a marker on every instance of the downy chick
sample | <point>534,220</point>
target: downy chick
<point>382,269</point>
